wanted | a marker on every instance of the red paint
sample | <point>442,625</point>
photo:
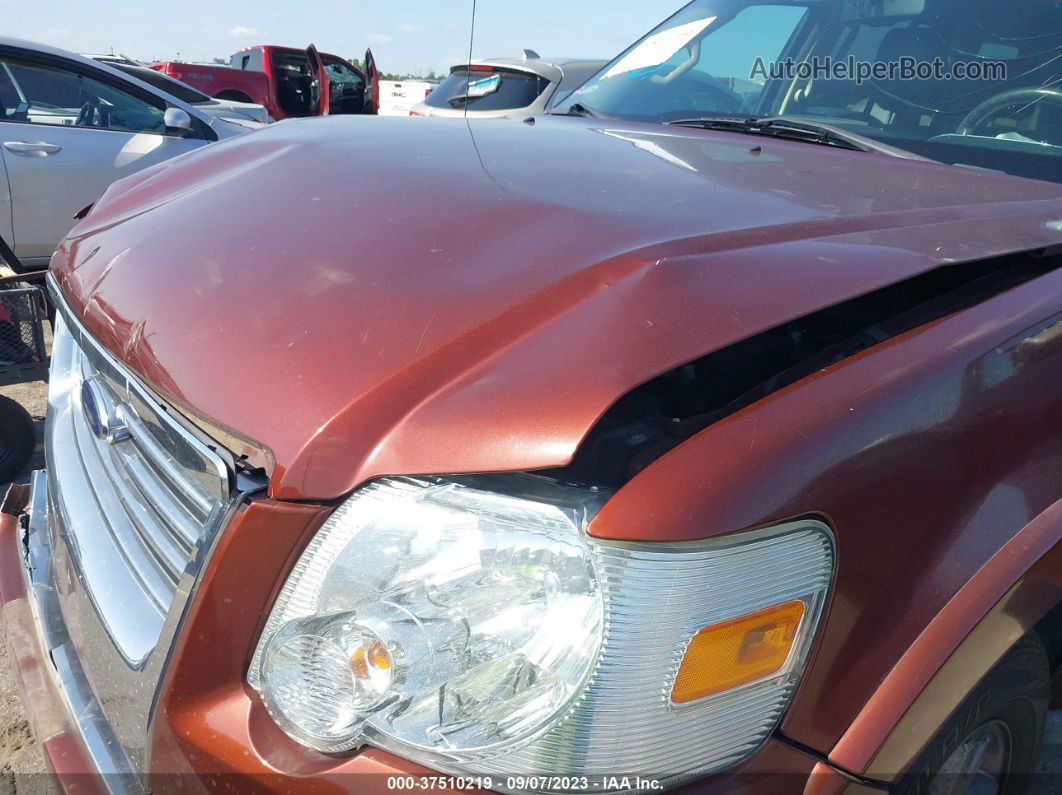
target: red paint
<point>211,723</point>
<point>484,310</point>
<point>53,726</point>
<point>386,342</point>
<point>824,780</point>
<point>318,75</point>
<point>372,75</point>
<point>927,454</point>
<point>12,580</point>
<point>259,85</point>
<point>1036,550</point>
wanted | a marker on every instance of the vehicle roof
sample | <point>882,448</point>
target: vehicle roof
<point>47,49</point>
<point>282,48</point>
<point>100,66</point>
<point>541,66</point>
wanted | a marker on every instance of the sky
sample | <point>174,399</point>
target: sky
<point>406,36</point>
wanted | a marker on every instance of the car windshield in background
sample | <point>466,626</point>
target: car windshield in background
<point>174,88</point>
<point>342,73</point>
<point>966,82</point>
<point>487,88</point>
<point>346,87</point>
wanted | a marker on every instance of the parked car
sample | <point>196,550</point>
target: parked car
<point>397,97</point>
<point>69,127</point>
<point>499,87</point>
<point>290,83</point>
<point>239,112</point>
<point>680,442</point>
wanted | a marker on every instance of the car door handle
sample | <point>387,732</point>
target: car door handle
<point>31,148</point>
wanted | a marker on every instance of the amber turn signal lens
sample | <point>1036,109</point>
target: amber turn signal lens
<point>737,652</point>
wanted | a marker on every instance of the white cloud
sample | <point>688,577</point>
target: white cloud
<point>244,32</point>
<point>380,38</point>
<point>407,28</point>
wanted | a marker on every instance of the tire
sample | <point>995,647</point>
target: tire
<point>18,439</point>
<point>234,96</point>
<point>1007,709</point>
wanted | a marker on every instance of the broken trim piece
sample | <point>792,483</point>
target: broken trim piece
<point>660,414</point>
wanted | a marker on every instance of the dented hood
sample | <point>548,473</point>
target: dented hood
<point>346,297</point>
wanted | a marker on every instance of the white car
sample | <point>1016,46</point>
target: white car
<point>229,109</point>
<point>397,97</point>
<point>500,87</point>
<point>69,127</point>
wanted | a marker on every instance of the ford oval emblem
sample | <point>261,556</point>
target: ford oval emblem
<point>101,416</point>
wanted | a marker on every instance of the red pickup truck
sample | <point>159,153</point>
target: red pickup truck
<point>288,81</point>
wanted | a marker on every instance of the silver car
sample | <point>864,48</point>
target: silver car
<point>499,87</point>
<point>69,127</point>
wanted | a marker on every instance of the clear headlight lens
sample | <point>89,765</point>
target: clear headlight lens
<point>441,616</point>
<point>472,625</point>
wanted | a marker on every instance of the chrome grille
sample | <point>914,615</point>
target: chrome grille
<point>146,490</point>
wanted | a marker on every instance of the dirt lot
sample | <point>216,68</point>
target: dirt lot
<point>22,767</point>
<point>21,764</point>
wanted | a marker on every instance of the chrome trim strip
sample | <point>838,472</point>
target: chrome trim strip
<point>103,748</point>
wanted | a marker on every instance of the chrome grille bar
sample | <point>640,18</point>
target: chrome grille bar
<point>145,488</point>
<point>135,505</point>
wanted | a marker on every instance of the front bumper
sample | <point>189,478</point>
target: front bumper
<point>65,718</point>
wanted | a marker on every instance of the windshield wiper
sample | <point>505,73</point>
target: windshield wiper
<point>579,109</point>
<point>787,129</point>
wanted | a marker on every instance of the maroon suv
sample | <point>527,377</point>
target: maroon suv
<point>704,433</point>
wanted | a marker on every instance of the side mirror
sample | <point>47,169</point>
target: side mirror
<point>177,120</point>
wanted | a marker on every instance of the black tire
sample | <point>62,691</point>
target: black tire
<point>1013,699</point>
<point>18,439</point>
<point>234,96</point>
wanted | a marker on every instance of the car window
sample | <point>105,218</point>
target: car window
<point>55,96</point>
<point>247,60</point>
<point>487,89</point>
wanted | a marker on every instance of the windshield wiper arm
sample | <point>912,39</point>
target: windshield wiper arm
<point>779,127</point>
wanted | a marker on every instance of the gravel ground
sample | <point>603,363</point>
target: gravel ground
<point>22,766</point>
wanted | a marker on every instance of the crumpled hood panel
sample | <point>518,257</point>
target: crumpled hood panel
<point>361,297</point>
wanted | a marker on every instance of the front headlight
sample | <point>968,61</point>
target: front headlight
<point>471,625</point>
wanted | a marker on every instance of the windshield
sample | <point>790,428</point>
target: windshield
<point>174,88</point>
<point>342,73</point>
<point>966,82</point>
